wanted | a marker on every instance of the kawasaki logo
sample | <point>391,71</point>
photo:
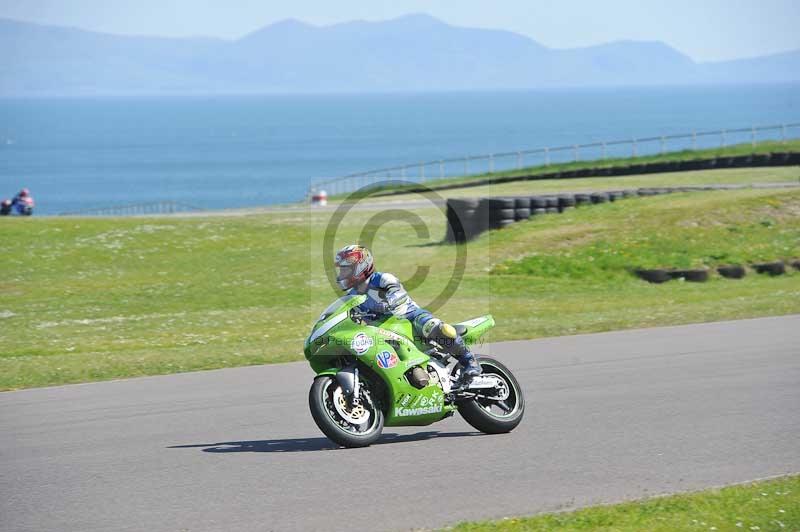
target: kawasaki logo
<point>417,411</point>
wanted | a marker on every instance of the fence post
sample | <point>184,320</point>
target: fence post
<point>575,152</point>
<point>663,144</point>
<point>694,140</point>
<point>491,163</point>
<point>547,156</point>
<point>633,147</point>
<point>519,160</point>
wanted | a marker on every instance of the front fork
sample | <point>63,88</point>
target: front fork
<point>347,377</point>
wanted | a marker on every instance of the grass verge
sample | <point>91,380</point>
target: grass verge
<point>763,506</point>
<point>93,299</point>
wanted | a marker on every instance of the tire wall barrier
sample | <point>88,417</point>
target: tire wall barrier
<point>727,271</point>
<point>468,218</point>
<point>736,161</point>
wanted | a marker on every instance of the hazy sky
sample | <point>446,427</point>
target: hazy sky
<point>703,29</point>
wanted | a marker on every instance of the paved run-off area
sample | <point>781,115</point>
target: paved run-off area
<point>610,416</point>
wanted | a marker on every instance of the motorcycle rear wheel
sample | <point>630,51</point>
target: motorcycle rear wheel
<point>495,417</point>
<point>333,425</point>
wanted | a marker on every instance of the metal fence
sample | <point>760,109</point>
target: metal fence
<point>593,151</point>
<point>139,209</point>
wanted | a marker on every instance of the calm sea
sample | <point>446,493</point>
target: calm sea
<point>221,152</point>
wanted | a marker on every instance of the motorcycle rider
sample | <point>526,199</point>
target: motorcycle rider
<point>355,274</point>
<point>23,202</point>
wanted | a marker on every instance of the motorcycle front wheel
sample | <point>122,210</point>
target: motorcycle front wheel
<point>497,410</point>
<point>344,423</point>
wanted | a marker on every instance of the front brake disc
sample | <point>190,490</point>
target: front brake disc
<point>353,414</point>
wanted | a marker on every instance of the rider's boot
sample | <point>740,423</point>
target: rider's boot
<point>470,365</point>
<point>446,336</point>
<point>456,346</point>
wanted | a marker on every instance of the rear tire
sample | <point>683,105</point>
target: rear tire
<point>320,399</point>
<point>478,415</point>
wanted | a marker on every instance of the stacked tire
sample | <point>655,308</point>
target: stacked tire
<point>616,195</point>
<point>465,219</point>
<point>501,212</point>
<point>779,159</point>
<point>522,209</point>
<point>566,201</point>
<point>538,205</point>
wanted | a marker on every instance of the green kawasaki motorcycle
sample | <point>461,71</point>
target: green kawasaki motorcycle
<point>372,372</point>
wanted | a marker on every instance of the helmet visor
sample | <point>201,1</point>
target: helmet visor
<point>344,276</point>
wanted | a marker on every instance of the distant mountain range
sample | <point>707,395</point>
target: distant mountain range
<point>410,53</point>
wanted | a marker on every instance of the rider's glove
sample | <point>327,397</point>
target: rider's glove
<point>383,307</point>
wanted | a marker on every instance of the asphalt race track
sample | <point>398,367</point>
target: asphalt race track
<point>610,417</point>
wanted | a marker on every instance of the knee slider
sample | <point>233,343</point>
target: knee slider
<point>430,327</point>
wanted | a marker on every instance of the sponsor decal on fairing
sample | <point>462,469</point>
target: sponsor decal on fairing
<point>386,359</point>
<point>419,411</point>
<point>361,343</point>
<point>422,405</point>
<point>390,335</point>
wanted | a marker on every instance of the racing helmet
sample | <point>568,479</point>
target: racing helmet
<point>353,266</point>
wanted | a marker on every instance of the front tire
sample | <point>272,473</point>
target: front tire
<point>330,421</point>
<point>492,416</point>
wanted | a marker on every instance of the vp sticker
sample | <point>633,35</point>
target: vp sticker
<point>361,343</point>
<point>387,359</point>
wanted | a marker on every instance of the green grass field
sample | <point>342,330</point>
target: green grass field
<point>84,299</point>
<point>772,505</point>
